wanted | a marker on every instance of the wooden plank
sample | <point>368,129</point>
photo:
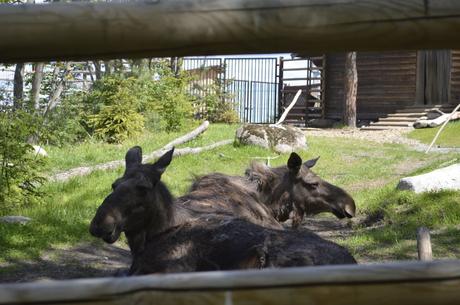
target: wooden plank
<point>206,27</point>
<point>395,283</point>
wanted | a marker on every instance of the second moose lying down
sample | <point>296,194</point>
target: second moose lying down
<point>168,237</point>
<point>268,194</point>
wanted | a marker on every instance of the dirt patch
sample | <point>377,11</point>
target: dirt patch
<point>82,261</point>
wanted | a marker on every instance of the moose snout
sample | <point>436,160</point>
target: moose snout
<point>100,228</point>
<point>349,207</point>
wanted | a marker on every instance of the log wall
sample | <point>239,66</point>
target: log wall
<point>386,82</point>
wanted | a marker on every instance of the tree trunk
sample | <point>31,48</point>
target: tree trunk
<point>36,84</point>
<point>18,89</point>
<point>108,67</point>
<point>176,65</point>
<point>55,96</point>
<point>97,68</point>
<point>350,90</point>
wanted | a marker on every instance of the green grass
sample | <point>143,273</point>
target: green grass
<point>450,136</point>
<point>367,170</point>
<point>395,236</point>
<point>91,152</point>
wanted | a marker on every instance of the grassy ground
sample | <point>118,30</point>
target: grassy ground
<point>450,136</point>
<point>367,170</point>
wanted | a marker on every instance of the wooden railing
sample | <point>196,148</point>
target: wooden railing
<point>396,283</point>
<point>189,27</point>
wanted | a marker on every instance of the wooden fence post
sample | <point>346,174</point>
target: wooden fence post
<point>424,244</point>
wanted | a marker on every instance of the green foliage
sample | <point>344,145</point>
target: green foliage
<point>116,123</point>
<point>20,168</point>
<point>214,104</point>
<point>169,99</point>
<point>65,124</point>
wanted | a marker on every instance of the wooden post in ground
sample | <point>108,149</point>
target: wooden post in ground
<point>424,244</point>
<point>350,90</point>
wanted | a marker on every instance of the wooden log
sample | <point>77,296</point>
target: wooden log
<point>73,31</point>
<point>391,283</point>
<point>450,116</point>
<point>86,170</point>
<point>424,244</point>
<point>286,111</point>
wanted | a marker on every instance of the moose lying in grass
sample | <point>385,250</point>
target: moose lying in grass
<point>165,236</point>
<point>267,195</point>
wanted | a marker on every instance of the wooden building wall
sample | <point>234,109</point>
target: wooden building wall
<point>386,82</point>
<point>455,78</point>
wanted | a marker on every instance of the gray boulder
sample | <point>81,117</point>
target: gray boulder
<point>15,219</point>
<point>447,178</point>
<point>280,138</point>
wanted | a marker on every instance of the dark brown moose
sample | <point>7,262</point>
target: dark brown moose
<point>165,236</point>
<point>268,194</point>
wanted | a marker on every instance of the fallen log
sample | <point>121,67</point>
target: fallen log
<point>447,178</point>
<point>427,123</point>
<point>86,170</point>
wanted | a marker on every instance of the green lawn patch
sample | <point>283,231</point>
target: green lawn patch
<point>450,136</point>
<point>94,152</point>
<point>369,171</point>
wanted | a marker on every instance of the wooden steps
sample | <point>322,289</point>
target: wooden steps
<point>404,118</point>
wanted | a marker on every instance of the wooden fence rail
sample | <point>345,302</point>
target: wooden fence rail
<point>204,27</point>
<point>396,283</point>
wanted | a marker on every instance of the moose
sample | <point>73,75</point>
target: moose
<point>268,196</point>
<point>165,235</point>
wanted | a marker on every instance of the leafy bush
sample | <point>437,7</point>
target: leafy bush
<point>169,99</point>
<point>66,123</point>
<point>20,168</point>
<point>116,123</point>
<point>214,104</point>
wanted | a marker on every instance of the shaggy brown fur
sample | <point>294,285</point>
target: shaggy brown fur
<point>168,237</point>
<point>266,195</point>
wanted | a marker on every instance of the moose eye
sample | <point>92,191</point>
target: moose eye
<point>310,185</point>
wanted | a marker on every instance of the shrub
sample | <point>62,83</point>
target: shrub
<point>66,123</point>
<point>169,98</point>
<point>116,123</point>
<point>20,168</point>
<point>214,104</point>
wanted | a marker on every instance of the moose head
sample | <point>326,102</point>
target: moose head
<point>139,203</point>
<point>293,190</point>
<point>312,195</point>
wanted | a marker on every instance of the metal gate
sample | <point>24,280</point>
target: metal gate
<point>250,84</point>
<point>306,74</point>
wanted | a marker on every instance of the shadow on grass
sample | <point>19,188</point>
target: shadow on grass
<point>83,261</point>
<point>393,237</point>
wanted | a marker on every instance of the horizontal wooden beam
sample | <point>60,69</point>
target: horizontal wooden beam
<point>74,31</point>
<point>395,283</point>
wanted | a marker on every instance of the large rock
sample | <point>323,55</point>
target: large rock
<point>447,178</point>
<point>39,151</point>
<point>281,138</point>
<point>15,219</point>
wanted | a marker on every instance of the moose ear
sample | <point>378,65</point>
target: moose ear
<point>294,163</point>
<point>311,163</point>
<point>163,162</point>
<point>133,156</point>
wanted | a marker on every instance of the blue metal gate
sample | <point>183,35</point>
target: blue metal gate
<point>250,84</point>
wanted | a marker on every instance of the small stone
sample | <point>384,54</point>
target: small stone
<point>15,219</point>
<point>40,151</point>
